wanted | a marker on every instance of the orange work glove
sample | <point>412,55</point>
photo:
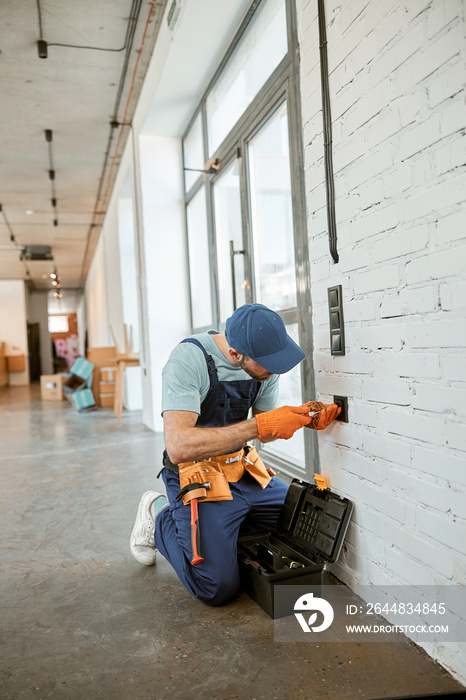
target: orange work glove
<point>324,414</point>
<point>282,422</point>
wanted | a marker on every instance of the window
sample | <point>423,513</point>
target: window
<point>246,220</point>
<point>198,250</point>
<point>257,54</point>
<point>58,324</point>
<point>271,215</point>
<point>229,241</point>
<point>193,151</point>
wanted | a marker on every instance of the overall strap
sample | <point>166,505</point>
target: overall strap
<point>211,368</point>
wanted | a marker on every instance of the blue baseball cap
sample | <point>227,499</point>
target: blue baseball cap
<point>260,333</point>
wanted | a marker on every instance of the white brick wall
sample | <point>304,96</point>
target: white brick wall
<point>397,84</point>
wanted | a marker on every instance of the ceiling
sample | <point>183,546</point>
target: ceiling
<point>76,93</point>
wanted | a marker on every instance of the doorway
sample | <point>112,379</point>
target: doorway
<point>35,362</point>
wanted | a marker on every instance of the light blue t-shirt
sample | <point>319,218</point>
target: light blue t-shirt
<point>185,379</point>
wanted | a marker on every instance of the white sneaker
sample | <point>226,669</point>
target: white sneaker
<point>142,538</point>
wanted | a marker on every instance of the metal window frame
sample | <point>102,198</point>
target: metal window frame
<point>282,84</point>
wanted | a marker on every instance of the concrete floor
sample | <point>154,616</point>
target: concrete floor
<point>82,619</point>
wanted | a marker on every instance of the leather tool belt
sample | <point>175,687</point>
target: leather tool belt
<point>209,480</point>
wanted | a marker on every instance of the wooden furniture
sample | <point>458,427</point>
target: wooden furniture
<point>3,369</point>
<point>16,363</point>
<point>107,385</point>
<point>123,360</point>
<point>102,358</point>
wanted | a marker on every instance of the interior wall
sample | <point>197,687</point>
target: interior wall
<point>130,297</point>
<point>111,294</point>
<point>13,325</point>
<point>96,311</point>
<point>397,100</point>
<point>82,325</point>
<point>37,313</point>
<point>111,274</point>
<point>128,266</point>
<point>168,319</point>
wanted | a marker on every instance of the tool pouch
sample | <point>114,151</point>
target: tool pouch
<point>219,472</point>
<point>254,465</point>
<point>202,472</point>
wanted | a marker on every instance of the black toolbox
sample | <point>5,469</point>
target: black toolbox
<point>310,532</point>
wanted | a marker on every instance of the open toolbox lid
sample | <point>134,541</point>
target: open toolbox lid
<point>314,521</point>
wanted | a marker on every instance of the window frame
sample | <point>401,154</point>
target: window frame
<point>282,84</point>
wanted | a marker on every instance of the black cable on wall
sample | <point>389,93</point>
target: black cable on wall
<point>327,128</point>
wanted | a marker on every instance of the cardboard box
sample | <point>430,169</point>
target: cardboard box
<point>16,363</point>
<point>51,387</point>
<point>79,377</point>
<point>107,374</point>
<point>102,358</point>
<point>107,387</point>
<point>81,399</point>
<point>107,400</point>
<point>82,368</point>
<point>310,532</point>
<point>73,383</point>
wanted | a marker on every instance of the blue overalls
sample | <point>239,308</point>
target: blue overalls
<point>215,581</point>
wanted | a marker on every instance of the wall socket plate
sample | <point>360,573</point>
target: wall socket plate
<point>342,401</point>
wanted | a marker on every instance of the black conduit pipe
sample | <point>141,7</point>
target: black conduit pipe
<point>327,128</point>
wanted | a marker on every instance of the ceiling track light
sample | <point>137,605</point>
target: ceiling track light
<point>49,139</point>
<point>13,240</point>
<point>12,236</point>
<point>56,283</point>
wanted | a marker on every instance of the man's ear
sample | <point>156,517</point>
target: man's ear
<point>235,356</point>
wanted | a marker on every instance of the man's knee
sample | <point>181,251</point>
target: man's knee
<point>219,591</point>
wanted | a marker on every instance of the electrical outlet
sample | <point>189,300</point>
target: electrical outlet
<point>342,401</point>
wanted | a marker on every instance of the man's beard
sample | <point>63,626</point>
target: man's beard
<point>253,375</point>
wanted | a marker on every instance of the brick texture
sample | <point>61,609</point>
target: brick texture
<point>397,89</point>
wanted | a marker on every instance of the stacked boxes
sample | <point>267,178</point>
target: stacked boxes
<point>77,384</point>
<point>107,386</point>
<point>102,358</point>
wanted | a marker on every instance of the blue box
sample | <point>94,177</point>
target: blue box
<point>82,399</point>
<point>82,368</point>
<point>79,377</point>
